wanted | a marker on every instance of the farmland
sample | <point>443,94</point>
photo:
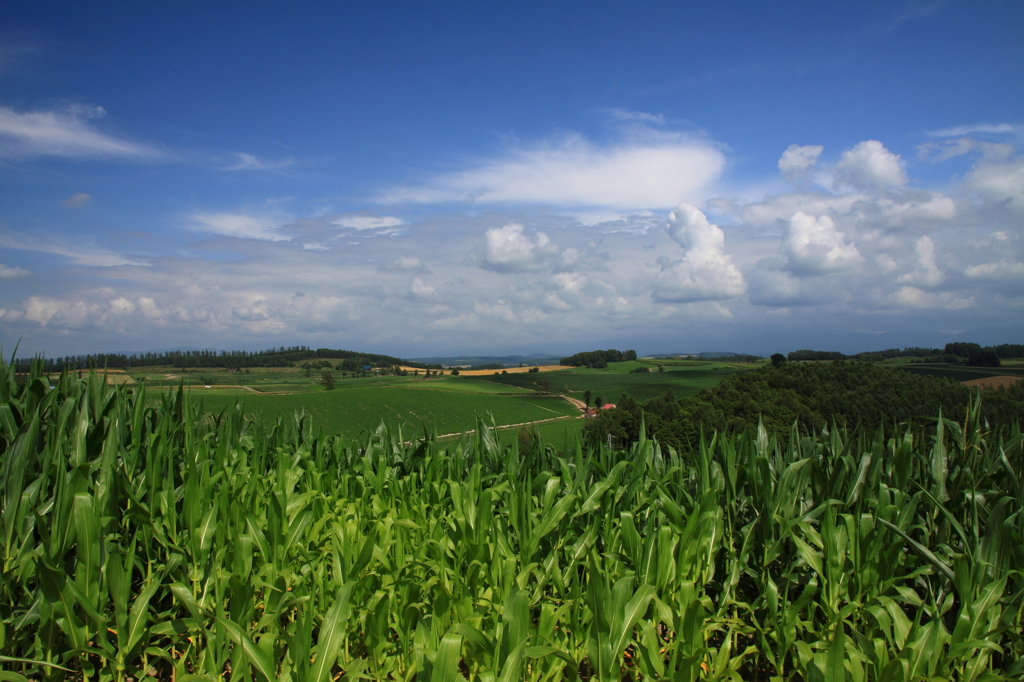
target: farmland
<point>443,404</point>
<point>142,536</point>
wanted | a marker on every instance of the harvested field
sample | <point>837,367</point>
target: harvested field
<point>993,382</point>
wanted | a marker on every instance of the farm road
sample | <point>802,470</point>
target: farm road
<point>512,426</point>
<point>573,401</point>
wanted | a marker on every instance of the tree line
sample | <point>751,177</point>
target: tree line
<point>274,357</point>
<point>957,353</point>
<point>598,359</point>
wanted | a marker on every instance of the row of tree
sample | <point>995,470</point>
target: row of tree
<point>273,357</point>
<point>957,353</point>
<point>811,395</point>
<point>598,359</point>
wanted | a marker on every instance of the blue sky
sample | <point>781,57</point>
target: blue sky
<point>424,179</point>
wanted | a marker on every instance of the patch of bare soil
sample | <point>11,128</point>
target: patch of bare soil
<point>993,382</point>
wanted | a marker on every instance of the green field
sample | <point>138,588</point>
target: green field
<point>445,404</point>
<point>353,410</point>
<point>682,377</point>
<point>143,539</point>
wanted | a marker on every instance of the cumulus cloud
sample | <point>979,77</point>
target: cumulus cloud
<point>509,250</point>
<point>238,225</point>
<point>76,200</point>
<point>12,272</point>
<point>781,207</point>
<point>870,165</point>
<point>575,172</point>
<point>1002,270</point>
<point>705,271</point>
<point>912,297</point>
<point>797,160</point>
<point>814,245</point>
<point>69,133</point>
<point>570,281</point>
<point>926,273</point>
<point>999,179</point>
<point>420,289</point>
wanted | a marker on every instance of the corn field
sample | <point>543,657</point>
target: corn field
<point>143,537</point>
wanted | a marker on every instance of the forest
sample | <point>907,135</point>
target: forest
<point>810,394</point>
<point>598,359</point>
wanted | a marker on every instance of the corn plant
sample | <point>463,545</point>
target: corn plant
<point>142,535</point>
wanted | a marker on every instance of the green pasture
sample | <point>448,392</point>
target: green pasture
<point>353,410</point>
<point>611,383</point>
<point>445,404</point>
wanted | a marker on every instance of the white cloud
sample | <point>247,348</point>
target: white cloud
<point>79,255</point>
<point>641,116</point>
<point>815,246</point>
<point>574,172</point>
<point>1001,180</point>
<point>509,250</point>
<point>40,309</point>
<point>870,165</point>
<point>960,131</point>
<point>782,207</point>
<point>368,222</point>
<point>238,225</point>
<point>12,272</point>
<point>797,160</point>
<point>570,281</point>
<point>705,272</point>
<point>926,273</point>
<point>407,263</point>
<point>67,133</point>
<point>499,311</point>
<point>912,297</point>
<point>149,308</point>
<point>914,210</point>
<point>122,306</point>
<point>250,162</point>
<point>420,289</point>
<point>1002,270</point>
<point>553,302</point>
<point>76,200</point>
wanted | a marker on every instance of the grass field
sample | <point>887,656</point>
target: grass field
<point>444,404</point>
<point>353,410</point>
<point>682,377</point>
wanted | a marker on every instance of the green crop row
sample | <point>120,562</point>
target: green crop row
<point>352,410</point>
<point>141,536</point>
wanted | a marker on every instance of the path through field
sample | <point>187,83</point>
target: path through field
<point>501,427</point>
